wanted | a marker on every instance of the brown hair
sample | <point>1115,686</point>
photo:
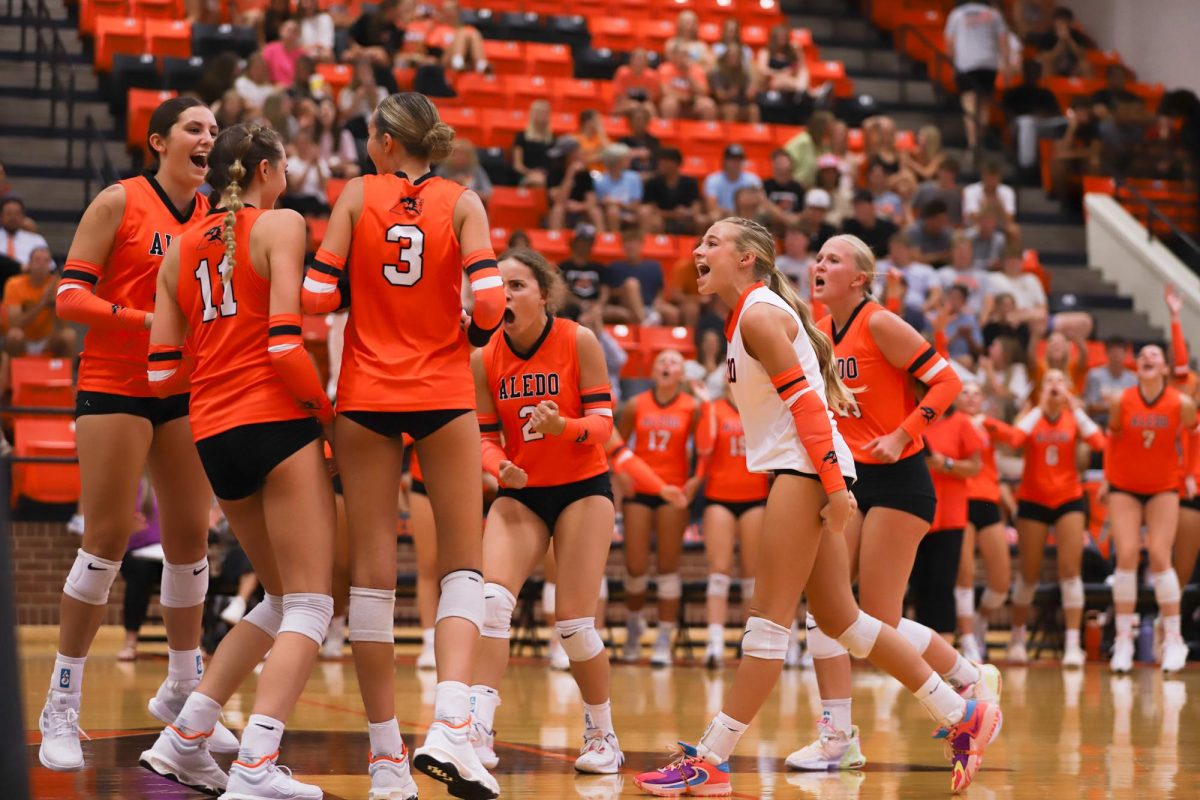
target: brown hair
<point>755,239</point>
<point>165,117</point>
<point>412,120</point>
<point>548,278</point>
<point>236,148</point>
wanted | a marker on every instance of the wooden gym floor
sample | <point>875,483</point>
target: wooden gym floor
<point>1066,734</point>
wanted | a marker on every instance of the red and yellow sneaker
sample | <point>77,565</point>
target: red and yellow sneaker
<point>969,738</point>
<point>687,775</point>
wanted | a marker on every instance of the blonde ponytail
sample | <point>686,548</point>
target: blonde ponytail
<point>235,147</point>
<point>234,205</point>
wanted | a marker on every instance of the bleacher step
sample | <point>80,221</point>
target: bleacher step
<point>840,28</point>
<point>58,194</point>
<point>1060,236</point>
<point>20,73</point>
<point>35,111</point>
<point>10,39</point>
<point>865,58</point>
<point>890,90</point>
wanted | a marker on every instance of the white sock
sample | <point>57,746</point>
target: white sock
<point>962,674</point>
<point>942,702</point>
<point>1018,634</point>
<point>260,739</point>
<point>385,738</point>
<point>720,738</point>
<point>837,713</point>
<point>634,618</point>
<point>452,702</point>
<point>598,717</point>
<point>1171,626</point>
<point>337,627</point>
<point>484,702</point>
<point>1072,642</point>
<point>968,640</point>
<point>68,674</point>
<point>716,633</point>
<point>199,714</point>
<point>1125,625</point>
<point>666,630</point>
<point>184,665</point>
<point>427,637</point>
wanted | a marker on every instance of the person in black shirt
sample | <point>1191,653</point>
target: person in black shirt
<point>865,225</point>
<point>376,36</point>
<point>671,202</point>
<point>531,148</point>
<point>589,282</point>
<point>784,192</point>
<point>643,145</point>
<point>817,203</point>
<point>572,192</point>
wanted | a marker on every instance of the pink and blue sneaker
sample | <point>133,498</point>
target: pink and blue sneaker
<point>688,774</point>
<point>967,740</point>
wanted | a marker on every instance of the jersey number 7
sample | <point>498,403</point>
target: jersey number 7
<point>412,254</point>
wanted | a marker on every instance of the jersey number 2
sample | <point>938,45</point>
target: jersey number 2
<point>228,305</point>
<point>412,255</point>
<point>527,431</point>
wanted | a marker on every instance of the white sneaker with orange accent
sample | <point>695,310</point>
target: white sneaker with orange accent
<point>267,780</point>
<point>391,778</point>
<point>448,756</point>
<point>185,759</point>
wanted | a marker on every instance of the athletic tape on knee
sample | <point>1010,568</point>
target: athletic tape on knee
<point>670,586</point>
<point>917,635</point>
<point>991,599</point>
<point>267,615</point>
<point>183,585</point>
<point>462,596</point>
<point>859,638</point>
<point>1072,592</point>
<point>498,605</point>
<point>308,614</point>
<point>1166,588</point>
<point>372,615</point>
<point>1023,592</point>
<point>964,601</point>
<point>821,644</point>
<point>765,639</point>
<point>718,585</point>
<point>1124,586</point>
<point>549,595</point>
<point>636,584</point>
<point>579,638</point>
<point>90,578</point>
<point>603,587</point>
<point>747,589</point>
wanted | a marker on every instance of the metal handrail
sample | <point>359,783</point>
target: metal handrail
<point>50,54</point>
<point>1153,213</point>
<point>101,170</point>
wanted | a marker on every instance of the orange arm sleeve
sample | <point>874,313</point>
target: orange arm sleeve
<point>493,453</point>
<point>1012,436</point>
<point>813,425</point>
<point>626,463</point>
<point>164,370</point>
<point>596,424</point>
<point>1191,451</point>
<point>1179,350</point>
<point>488,288</point>
<point>324,282</point>
<point>76,301</point>
<point>944,387</point>
<point>295,368</point>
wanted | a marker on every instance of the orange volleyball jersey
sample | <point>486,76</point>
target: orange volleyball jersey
<point>115,361</point>
<point>985,484</point>
<point>233,382</point>
<point>661,434</point>
<point>954,437</point>
<point>885,394</point>
<point>1050,477</point>
<point>1143,446</point>
<point>404,347</point>
<point>518,382</point>
<point>722,438</point>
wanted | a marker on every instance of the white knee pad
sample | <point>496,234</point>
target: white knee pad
<point>718,585</point>
<point>765,639</point>
<point>462,596</point>
<point>859,638</point>
<point>183,585</point>
<point>636,584</point>
<point>308,614</point>
<point>1124,586</point>
<point>670,586</point>
<point>1023,592</point>
<point>549,595</point>
<point>579,638</point>
<point>820,644</point>
<point>498,605</point>
<point>372,615</point>
<point>267,615</point>
<point>747,589</point>
<point>964,601</point>
<point>1072,592</point>
<point>90,578</point>
<point>1166,588</point>
<point>991,599</point>
<point>917,635</point>
<point>603,587</point>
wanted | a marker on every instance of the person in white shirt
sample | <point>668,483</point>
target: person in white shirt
<point>1024,287</point>
<point>924,287</point>
<point>962,272</point>
<point>316,30</point>
<point>254,85</point>
<point>16,243</point>
<point>977,42</point>
<point>990,191</point>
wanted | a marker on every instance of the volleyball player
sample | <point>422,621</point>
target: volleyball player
<point>544,388</point>
<point>121,428</point>
<point>985,530</point>
<point>880,357</point>
<point>783,374</point>
<point>734,501</point>
<point>1149,424</point>
<point>1049,496</point>
<point>1187,539</point>
<point>423,528</point>
<point>231,286</point>
<point>660,420</point>
<point>401,241</point>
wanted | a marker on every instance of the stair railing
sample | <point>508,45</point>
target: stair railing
<point>40,38</point>
<point>1151,213</point>
<point>96,168</point>
<point>941,62</point>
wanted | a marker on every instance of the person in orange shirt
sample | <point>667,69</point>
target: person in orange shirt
<point>29,307</point>
<point>1187,539</point>
<point>231,288</point>
<point>1068,355</point>
<point>397,248</point>
<point>636,84</point>
<point>121,427</point>
<point>661,420</point>
<point>684,86</point>
<point>734,500</point>
<point>1050,495</point>
<point>1149,425</point>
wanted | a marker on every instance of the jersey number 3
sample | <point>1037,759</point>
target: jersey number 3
<point>228,305</point>
<point>412,255</point>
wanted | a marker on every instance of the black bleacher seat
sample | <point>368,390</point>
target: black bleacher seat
<point>498,170</point>
<point>128,72</point>
<point>571,30</point>
<point>486,22</point>
<point>598,64</point>
<point>209,40</point>
<point>182,74</point>
<point>522,26</point>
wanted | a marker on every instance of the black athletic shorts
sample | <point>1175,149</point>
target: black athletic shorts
<point>548,502</point>
<point>158,410</point>
<point>651,501</point>
<point>1193,504</point>
<point>337,485</point>
<point>1142,497</point>
<point>735,507</point>
<point>417,424</point>
<point>1047,515</point>
<point>238,461</point>
<point>980,81</point>
<point>905,486</point>
<point>983,514</point>
<point>418,487</point>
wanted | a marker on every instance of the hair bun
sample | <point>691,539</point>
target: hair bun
<point>439,141</point>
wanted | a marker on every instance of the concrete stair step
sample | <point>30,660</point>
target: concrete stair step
<point>847,30</point>
<point>10,37</point>
<point>51,193</point>
<point>1077,280</point>
<point>58,235</point>
<point>1061,237</point>
<point>896,91</point>
<point>36,111</point>
<point>35,150</point>
<point>859,58</point>
<point>21,74</point>
<point>1119,322</point>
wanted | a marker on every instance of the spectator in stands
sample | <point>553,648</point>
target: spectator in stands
<point>531,148</point>
<point>782,67</point>
<point>270,19</point>
<point>589,282</point>
<point>809,144</point>
<point>281,55</point>
<point>359,98</point>
<point>839,145</point>
<point>888,204</point>
<point>591,137</point>
<point>1075,154</point>
<point>876,231</point>
<point>945,189</point>
<point>796,259</point>
<point>1065,351</point>
<point>306,83</point>
<point>1026,290</point>
<point>17,242</point>
<point>573,193</point>
<point>1034,20</point>
<point>977,43</point>
<point>749,202</point>
<point>987,241</point>
<point>375,36</point>
<point>316,30</point>
<point>618,188</point>
<point>636,84</point>
<point>1064,53</point>
<point>334,142</point>
<point>219,74</point>
<point>707,372</point>
<point>785,195</point>
<point>519,238</point>
<point>1004,377</point>
<point>731,39</point>
<point>462,166</point>
<point>672,202</point>
<point>255,84</point>
<point>817,203</point>
<point>1121,115</point>
<point>922,284</point>
<point>1108,380</point>
<point>461,45</point>
<point>832,178</point>
<point>885,155</point>
<point>922,164</point>
<point>990,189</point>
<point>734,88</point>
<point>960,325</point>
<point>721,186</point>
<point>1001,318</point>
<point>687,37</point>
<point>277,112</point>
<point>141,568</point>
<point>930,234</point>
<point>33,328</point>
<point>230,109</point>
<point>684,86</point>
<point>647,277</point>
<point>307,174</point>
<point>961,271</point>
<point>1030,109</point>
<point>643,145</point>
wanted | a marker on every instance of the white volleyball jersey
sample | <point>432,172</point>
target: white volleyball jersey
<point>772,442</point>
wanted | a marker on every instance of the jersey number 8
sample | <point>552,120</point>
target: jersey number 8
<point>412,253</point>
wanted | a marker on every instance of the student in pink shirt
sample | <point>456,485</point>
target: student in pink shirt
<point>281,55</point>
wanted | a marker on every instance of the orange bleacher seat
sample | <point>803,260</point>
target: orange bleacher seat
<point>655,33</point>
<point>90,9</point>
<point>574,95</point>
<point>506,58</point>
<point>141,104</point>
<point>316,230</point>
<point>758,139</point>
<point>333,190</point>
<point>710,32</point>
<point>926,37</point>
<point>607,247</point>
<point>704,138</point>
<point>42,383</point>
<point>1098,184</point>
<point>906,141</point>
<point>1067,89</point>
<point>517,207</point>
<point>656,338</point>
<point>503,125</point>
<point>524,89</point>
<point>562,122</point>
<point>45,483</point>
<point>754,36</point>
<point>499,239</point>
<point>821,72</point>
<point>1102,59</point>
<point>118,35</point>
<point>549,60</point>
<point>615,33</point>
<point>554,245</point>
<point>803,39</point>
<point>854,140</point>
<point>337,77</point>
<point>479,91</point>
<point>698,166</point>
<point>616,127</point>
<point>167,10</point>
<point>667,131</point>
<point>760,12</point>
<point>169,38</point>
<point>627,337</point>
<point>467,123</point>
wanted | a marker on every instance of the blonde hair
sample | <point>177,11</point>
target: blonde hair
<point>864,257</point>
<point>413,121</point>
<point>932,138</point>
<point>532,133</point>
<point>235,147</point>
<point>755,239</point>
